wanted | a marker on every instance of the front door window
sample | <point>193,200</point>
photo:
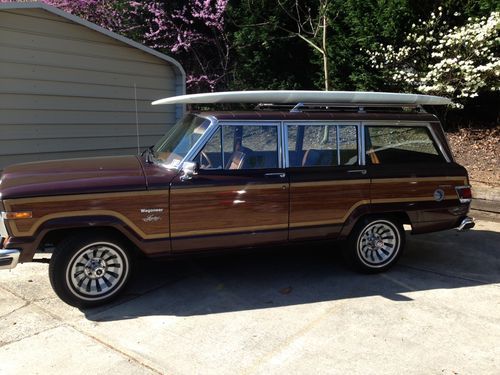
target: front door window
<point>241,147</point>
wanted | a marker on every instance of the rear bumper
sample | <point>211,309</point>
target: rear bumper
<point>466,224</point>
<point>9,258</point>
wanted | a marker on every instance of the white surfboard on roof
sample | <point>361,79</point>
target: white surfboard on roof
<point>299,96</point>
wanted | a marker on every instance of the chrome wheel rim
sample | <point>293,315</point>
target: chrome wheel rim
<point>378,243</point>
<point>97,271</point>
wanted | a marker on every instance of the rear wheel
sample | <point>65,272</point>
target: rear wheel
<point>87,271</point>
<point>376,244</point>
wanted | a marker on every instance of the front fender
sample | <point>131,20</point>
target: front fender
<point>30,244</point>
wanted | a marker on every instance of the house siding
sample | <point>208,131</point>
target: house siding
<point>68,91</point>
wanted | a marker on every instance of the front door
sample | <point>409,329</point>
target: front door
<point>239,197</point>
<point>327,182</point>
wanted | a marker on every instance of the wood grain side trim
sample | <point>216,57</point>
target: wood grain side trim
<point>230,230</point>
<point>62,198</point>
<point>327,222</point>
<point>418,179</point>
<point>195,190</point>
<point>360,203</point>
<point>330,183</point>
<point>124,219</point>
<point>10,205</point>
<point>460,179</point>
<point>68,198</point>
<point>118,215</point>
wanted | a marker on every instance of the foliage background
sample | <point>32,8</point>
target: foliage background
<point>250,44</point>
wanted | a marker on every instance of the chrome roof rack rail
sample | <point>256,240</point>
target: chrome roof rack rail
<point>342,107</point>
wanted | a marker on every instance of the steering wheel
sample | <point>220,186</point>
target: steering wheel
<point>205,161</point>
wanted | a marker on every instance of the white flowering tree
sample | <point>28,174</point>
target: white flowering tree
<point>459,62</point>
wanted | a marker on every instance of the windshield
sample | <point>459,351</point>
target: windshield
<point>175,145</point>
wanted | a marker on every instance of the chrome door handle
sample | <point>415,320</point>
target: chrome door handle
<point>278,174</point>
<point>362,171</point>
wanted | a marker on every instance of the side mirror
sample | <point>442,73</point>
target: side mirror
<point>189,169</point>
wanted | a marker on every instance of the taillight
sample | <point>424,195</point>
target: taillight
<point>464,193</point>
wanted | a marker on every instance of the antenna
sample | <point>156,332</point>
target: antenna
<point>137,120</point>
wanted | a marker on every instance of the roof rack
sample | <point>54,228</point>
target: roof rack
<point>341,107</point>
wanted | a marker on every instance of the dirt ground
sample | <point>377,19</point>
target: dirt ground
<point>478,150</point>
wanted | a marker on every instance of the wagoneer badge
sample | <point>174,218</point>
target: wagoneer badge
<point>439,195</point>
<point>150,214</point>
<point>151,210</point>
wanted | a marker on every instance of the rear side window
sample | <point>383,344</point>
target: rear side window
<point>322,145</point>
<point>400,144</point>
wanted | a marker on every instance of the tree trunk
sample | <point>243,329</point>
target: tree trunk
<point>325,56</point>
<point>325,139</point>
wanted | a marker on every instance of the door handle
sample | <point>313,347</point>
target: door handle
<point>362,171</point>
<point>277,174</point>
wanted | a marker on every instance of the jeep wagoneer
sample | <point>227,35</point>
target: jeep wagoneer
<point>354,167</point>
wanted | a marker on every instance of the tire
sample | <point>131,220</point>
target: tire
<point>375,244</point>
<point>89,270</point>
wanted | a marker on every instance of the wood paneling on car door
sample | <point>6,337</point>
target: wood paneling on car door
<point>218,210</point>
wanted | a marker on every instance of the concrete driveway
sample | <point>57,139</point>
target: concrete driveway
<point>278,311</point>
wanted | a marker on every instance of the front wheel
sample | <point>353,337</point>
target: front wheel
<point>376,244</point>
<point>87,271</point>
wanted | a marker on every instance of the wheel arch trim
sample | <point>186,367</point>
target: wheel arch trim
<point>379,210</point>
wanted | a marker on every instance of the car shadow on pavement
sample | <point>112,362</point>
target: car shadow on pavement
<point>286,276</point>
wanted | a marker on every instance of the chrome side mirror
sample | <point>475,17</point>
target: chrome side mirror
<point>189,169</point>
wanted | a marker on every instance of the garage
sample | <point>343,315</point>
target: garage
<point>69,88</point>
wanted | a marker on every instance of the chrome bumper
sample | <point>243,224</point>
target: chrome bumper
<point>9,258</point>
<point>466,224</point>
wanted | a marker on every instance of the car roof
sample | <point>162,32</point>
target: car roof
<point>318,116</point>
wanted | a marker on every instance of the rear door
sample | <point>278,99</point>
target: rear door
<point>327,182</point>
<point>411,172</point>
<point>240,195</point>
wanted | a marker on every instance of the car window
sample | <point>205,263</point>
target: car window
<point>241,147</point>
<point>175,145</point>
<point>400,144</point>
<point>322,145</point>
<point>348,145</point>
<point>211,155</point>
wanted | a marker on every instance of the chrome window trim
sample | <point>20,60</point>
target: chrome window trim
<point>219,129</point>
<point>200,143</point>
<point>409,124</point>
<point>337,145</point>
<point>284,145</point>
<point>322,122</point>
<point>284,161</point>
<point>361,145</point>
<point>335,123</point>
<point>216,124</point>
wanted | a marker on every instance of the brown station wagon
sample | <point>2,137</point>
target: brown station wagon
<point>354,171</point>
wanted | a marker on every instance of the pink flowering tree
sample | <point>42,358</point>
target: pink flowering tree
<point>192,31</point>
<point>101,12</point>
